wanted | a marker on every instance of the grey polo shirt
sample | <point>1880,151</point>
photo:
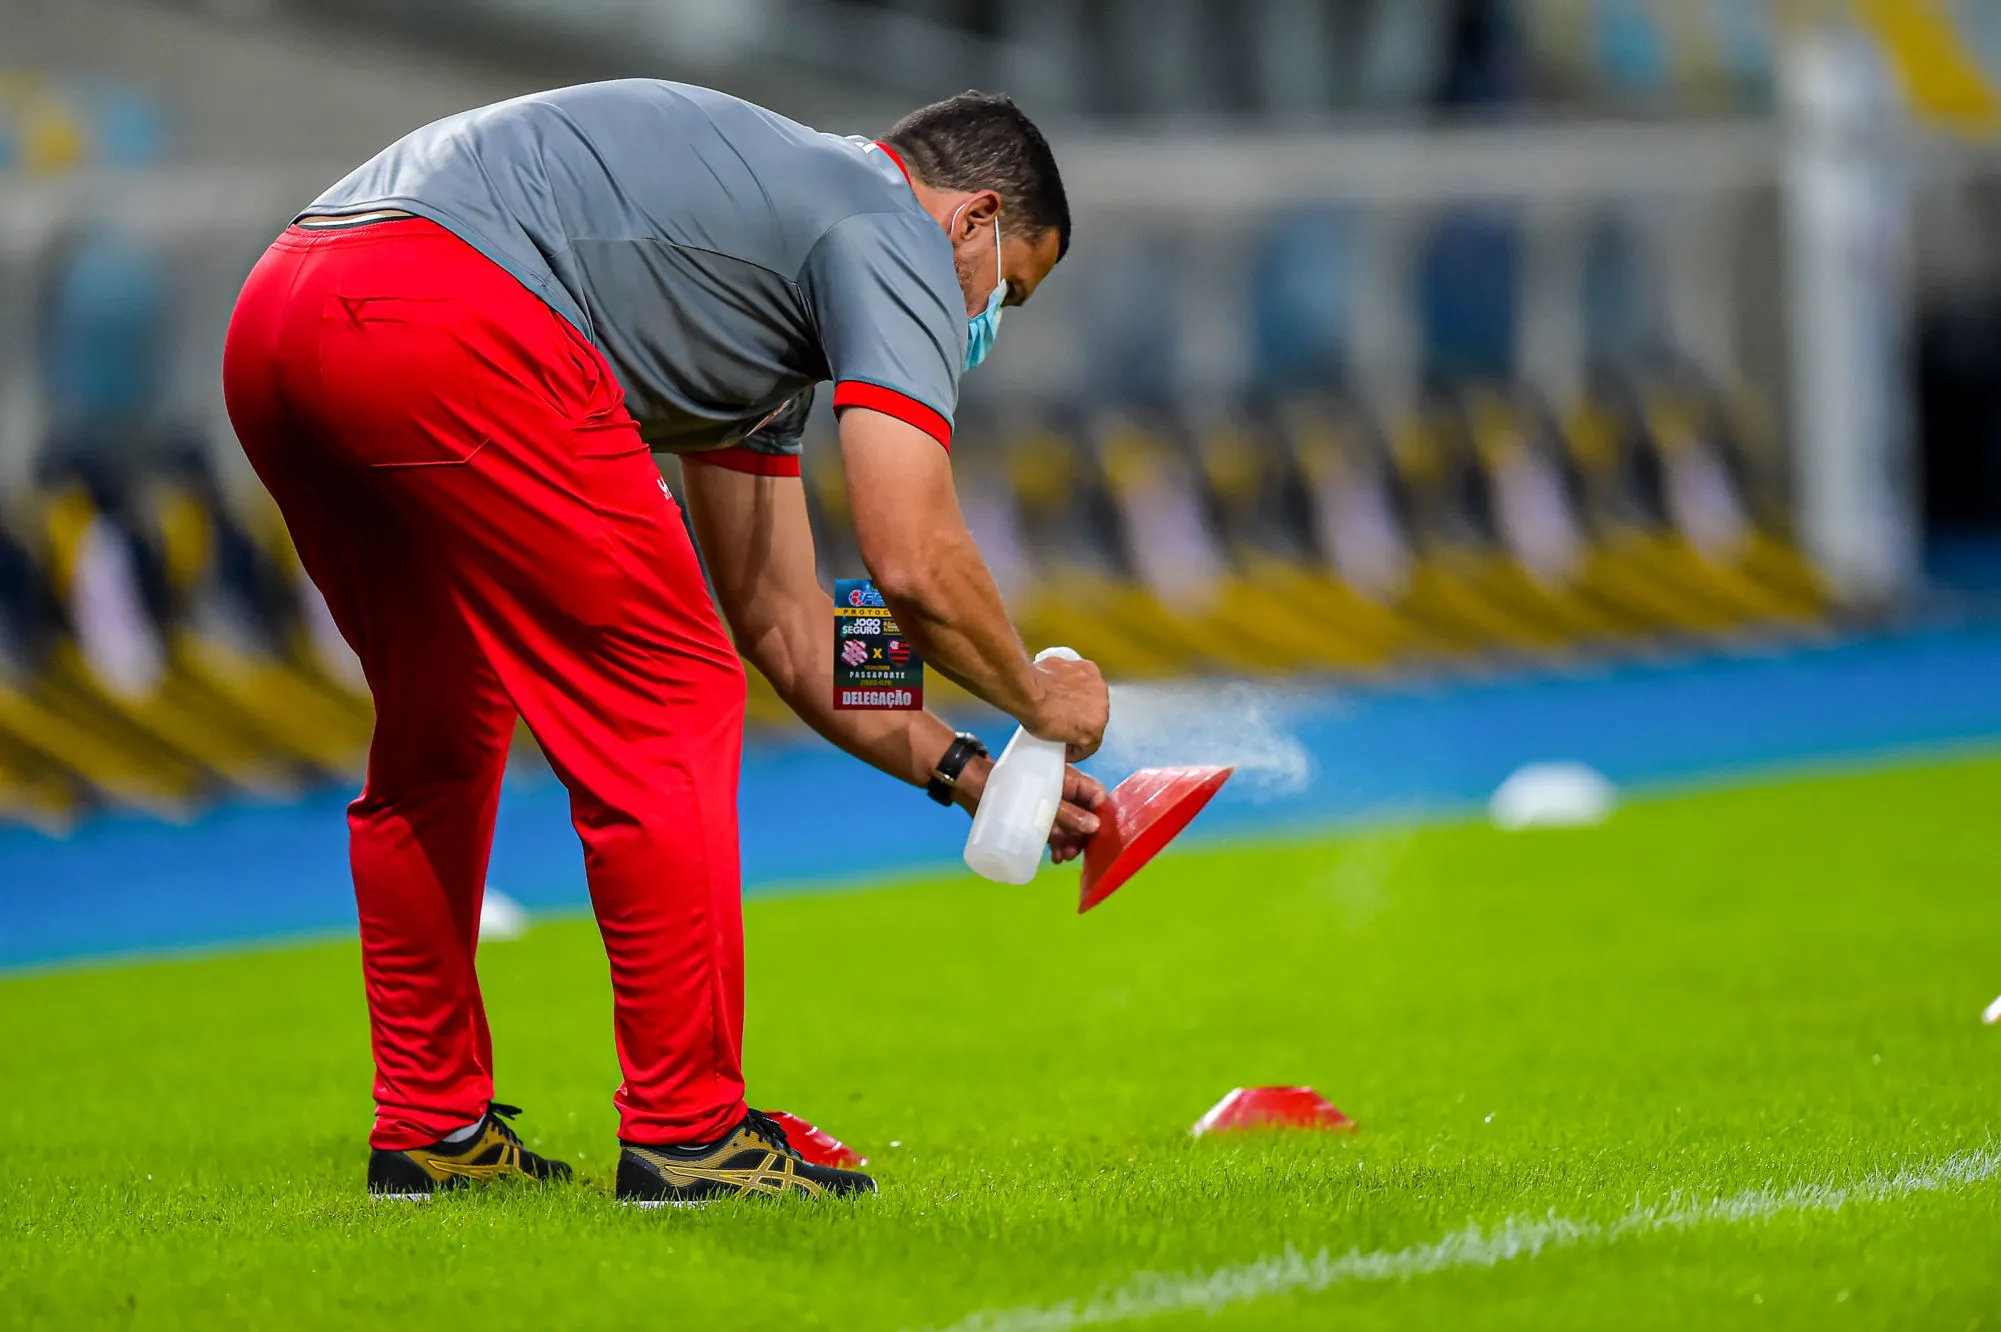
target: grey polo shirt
<point>724,259</point>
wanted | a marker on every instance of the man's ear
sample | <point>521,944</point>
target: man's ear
<point>977,214</point>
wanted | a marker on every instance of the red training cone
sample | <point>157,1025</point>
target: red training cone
<point>1144,814</point>
<point>1273,1107</point>
<point>817,1146</point>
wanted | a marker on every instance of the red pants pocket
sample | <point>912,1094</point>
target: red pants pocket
<point>397,381</point>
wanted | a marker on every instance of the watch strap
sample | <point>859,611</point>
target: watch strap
<point>945,776</point>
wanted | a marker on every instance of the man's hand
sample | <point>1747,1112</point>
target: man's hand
<point>1073,706</point>
<point>1076,817</point>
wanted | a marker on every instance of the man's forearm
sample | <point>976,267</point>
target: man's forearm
<point>797,657</point>
<point>915,543</point>
<point>761,557</point>
<point>953,613</point>
<point>760,549</point>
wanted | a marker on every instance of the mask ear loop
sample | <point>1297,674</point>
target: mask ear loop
<point>1000,277</point>
<point>1000,281</point>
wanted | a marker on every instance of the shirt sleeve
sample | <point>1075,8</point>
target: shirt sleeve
<point>891,318</point>
<point>772,449</point>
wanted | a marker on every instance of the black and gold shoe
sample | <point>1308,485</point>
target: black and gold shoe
<point>495,1152</point>
<point>753,1159</point>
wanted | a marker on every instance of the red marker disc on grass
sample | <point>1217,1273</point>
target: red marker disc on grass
<point>1273,1107</point>
<point>817,1146</point>
<point>1141,817</point>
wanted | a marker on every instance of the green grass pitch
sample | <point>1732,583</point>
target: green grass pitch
<point>1661,1073</point>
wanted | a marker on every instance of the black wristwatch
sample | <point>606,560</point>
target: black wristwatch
<point>945,777</point>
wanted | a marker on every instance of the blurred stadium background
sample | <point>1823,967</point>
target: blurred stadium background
<point>1404,340</point>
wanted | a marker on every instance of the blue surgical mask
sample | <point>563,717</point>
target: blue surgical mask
<point>985,327</point>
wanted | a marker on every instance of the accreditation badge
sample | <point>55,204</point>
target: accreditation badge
<point>875,667</point>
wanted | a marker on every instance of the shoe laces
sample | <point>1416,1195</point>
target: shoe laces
<point>497,1113</point>
<point>767,1128</point>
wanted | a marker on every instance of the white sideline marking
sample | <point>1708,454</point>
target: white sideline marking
<point>1152,1294</point>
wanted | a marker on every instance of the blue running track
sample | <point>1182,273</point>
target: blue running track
<point>126,884</point>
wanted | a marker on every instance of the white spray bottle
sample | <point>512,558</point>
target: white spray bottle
<point>1018,806</point>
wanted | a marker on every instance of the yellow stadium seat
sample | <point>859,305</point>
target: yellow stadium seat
<point>287,708</point>
<point>159,699</point>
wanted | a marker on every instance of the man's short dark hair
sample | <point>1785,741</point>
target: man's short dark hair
<point>983,141</point>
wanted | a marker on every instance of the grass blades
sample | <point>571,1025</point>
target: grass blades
<point>1746,992</point>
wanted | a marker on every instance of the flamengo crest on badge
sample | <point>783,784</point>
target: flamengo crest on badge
<point>875,667</point>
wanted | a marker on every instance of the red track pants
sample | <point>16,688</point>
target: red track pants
<point>462,481</point>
